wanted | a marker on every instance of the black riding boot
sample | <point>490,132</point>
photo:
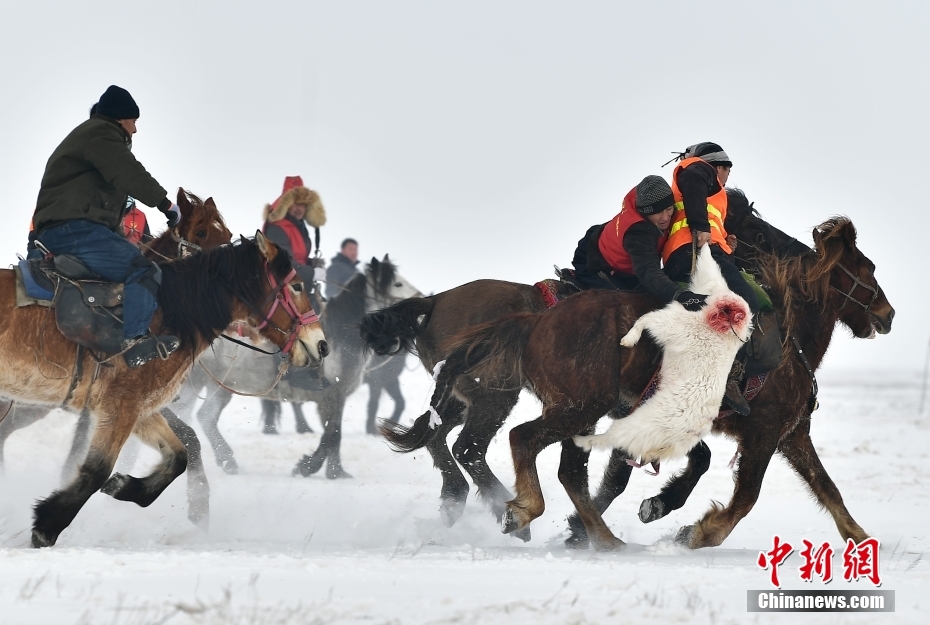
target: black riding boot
<point>733,397</point>
<point>140,350</point>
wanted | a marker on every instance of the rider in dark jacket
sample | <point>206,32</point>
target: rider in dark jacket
<point>82,201</point>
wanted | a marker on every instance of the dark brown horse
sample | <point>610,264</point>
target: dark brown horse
<point>199,297</point>
<point>570,358</point>
<point>427,326</point>
<point>201,228</point>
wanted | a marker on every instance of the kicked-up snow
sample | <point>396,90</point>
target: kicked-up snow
<point>372,549</point>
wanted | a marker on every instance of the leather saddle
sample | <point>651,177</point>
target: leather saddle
<point>88,309</point>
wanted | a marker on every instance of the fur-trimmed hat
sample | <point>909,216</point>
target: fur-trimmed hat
<point>295,192</point>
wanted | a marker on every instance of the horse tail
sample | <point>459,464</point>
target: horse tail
<point>395,328</point>
<point>491,353</point>
<point>403,439</point>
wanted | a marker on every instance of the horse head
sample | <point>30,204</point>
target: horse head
<point>848,276</point>
<point>285,316</point>
<point>202,227</point>
<point>385,286</point>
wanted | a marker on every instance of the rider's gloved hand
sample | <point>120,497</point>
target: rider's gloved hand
<point>173,214</point>
<point>691,301</point>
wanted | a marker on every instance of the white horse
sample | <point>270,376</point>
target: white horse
<point>698,352</point>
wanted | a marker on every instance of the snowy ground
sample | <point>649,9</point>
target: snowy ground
<point>372,550</point>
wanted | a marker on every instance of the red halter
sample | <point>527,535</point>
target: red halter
<point>284,298</point>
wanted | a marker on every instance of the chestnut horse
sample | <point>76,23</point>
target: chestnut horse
<point>199,297</point>
<point>202,227</point>
<point>571,359</point>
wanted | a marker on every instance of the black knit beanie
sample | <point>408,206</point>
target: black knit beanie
<point>116,103</point>
<point>653,195</point>
<point>710,152</point>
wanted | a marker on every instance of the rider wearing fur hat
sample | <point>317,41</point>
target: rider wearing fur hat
<point>286,221</point>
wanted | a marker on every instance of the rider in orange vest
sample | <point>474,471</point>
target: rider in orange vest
<point>700,211</point>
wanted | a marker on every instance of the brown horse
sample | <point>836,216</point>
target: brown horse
<point>199,297</point>
<point>201,228</point>
<point>570,358</point>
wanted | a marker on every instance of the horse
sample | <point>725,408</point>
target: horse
<point>202,227</point>
<point>571,359</point>
<point>199,297</point>
<point>426,326</point>
<point>241,370</point>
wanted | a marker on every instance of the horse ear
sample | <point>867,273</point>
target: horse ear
<point>386,259</point>
<point>183,203</point>
<point>268,249</point>
<point>818,237</point>
<point>849,234</point>
<point>209,203</point>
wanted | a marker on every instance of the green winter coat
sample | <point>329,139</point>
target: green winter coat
<point>90,175</point>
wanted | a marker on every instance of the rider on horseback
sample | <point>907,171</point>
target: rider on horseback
<point>82,201</point>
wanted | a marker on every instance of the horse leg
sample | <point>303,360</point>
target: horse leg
<point>300,422</point>
<point>330,407</point>
<point>374,398</point>
<point>556,424</point>
<point>616,477</point>
<point>209,417</point>
<point>79,446</point>
<point>677,490</point>
<point>798,450</point>
<point>486,415</point>
<point>756,451</point>
<point>454,491</point>
<point>14,416</point>
<point>153,430</point>
<point>271,414</point>
<point>573,474</point>
<point>198,488</point>
<point>392,386</point>
<point>53,514</point>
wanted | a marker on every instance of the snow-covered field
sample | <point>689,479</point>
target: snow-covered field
<point>372,549</point>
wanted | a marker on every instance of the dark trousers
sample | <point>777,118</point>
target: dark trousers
<point>678,268</point>
<point>111,257</point>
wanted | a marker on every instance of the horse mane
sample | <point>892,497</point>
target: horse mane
<point>795,281</point>
<point>196,294</point>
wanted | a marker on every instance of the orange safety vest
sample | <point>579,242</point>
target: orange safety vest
<point>679,233</point>
<point>610,243</point>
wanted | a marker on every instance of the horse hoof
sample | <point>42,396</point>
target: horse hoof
<point>230,467</point>
<point>523,534</point>
<point>200,517</point>
<point>451,510</point>
<point>337,473</point>
<point>684,535</point>
<point>574,541</point>
<point>39,539</point>
<point>611,545</point>
<point>115,484</point>
<point>509,522</point>
<point>306,467</point>
<point>651,509</point>
<point>269,429</point>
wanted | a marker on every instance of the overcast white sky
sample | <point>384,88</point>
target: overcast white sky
<point>481,139</point>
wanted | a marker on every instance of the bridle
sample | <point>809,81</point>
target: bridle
<point>856,283</point>
<point>185,247</point>
<point>282,297</point>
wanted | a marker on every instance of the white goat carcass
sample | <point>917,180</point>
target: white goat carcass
<point>698,351</point>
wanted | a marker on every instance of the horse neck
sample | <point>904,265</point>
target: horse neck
<point>161,248</point>
<point>345,311</point>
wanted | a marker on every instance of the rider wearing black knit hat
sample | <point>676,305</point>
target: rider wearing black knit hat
<point>625,252</point>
